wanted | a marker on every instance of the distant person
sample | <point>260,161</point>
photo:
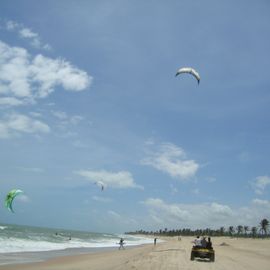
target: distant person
<point>155,241</point>
<point>179,238</point>
<point>209,243</point>
<point>197,242</point>
<point>121,244</point>
<point>204,242</point>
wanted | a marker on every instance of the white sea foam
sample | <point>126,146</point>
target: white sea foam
<point>9,245</point>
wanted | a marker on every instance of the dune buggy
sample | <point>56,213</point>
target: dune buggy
<point>202,253</point>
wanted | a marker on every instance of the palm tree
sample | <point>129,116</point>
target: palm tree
<point>264,226</point>
<point>221,231</point>
<point>254,231</point>
<point>246,229</point>
<point>231,230</point>
<point>239,229</point>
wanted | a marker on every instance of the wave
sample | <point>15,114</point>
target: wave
<point>33,244</point>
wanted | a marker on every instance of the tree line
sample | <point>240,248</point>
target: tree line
<point>262,230</point>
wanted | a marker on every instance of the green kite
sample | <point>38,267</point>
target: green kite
<point>10,197</point>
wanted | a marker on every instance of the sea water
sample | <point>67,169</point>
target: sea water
<point>24,243</point>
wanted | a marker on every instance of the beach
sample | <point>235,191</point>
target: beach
<point>231,253</point>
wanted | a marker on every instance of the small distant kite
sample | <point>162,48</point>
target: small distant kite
<point>190,71</point>
<point>10,197</point>
<point>100,184</point>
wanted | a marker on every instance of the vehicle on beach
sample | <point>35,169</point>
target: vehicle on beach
<point>202,253</point>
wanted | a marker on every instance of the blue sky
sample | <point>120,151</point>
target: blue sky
<point>88,93</point>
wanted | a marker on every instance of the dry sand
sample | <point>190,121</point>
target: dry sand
<point>234,254</point>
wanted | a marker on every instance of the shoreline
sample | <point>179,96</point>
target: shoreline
<point>29,257</point>
<point>231,254</point>
<point>56,260</point>
<point>25,257</point>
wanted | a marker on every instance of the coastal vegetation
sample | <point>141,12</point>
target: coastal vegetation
<point>260,231</point>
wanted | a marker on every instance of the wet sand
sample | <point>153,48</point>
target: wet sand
<point>231,254</point>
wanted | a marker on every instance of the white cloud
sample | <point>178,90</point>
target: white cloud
<point>260,184</point>
<point>27,33</point>
<point>11,25</point>
<point>101,199</point>
<point>75,119</point>
<point>171,211</point>
<point>203,215</point>
<point>172,160</point>
<point>25,79</point>
<point>263,203</point>
<point>66,119</point>
<point>188,215</point>
<point>64,123</point>
<point>60,115</point>
<point>120,220</point>
<point>51,72</point>
<point>113,214</point>
<point>10,101</point>
<point>122,179</point>
<point>221,210</point>
<point>19,123</point>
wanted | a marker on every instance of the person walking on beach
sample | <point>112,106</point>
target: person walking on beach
<point>121,244</point>
<point>155,241</point>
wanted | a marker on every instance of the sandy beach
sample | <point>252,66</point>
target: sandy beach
<point>231,253</point>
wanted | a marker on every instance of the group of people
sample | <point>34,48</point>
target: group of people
<point>198,242</point>
<point>202,242</point>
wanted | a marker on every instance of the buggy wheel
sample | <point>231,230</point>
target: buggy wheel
<point>212,258</point>
<point>192,256</point>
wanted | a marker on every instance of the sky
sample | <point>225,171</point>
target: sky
<point>89,97</point>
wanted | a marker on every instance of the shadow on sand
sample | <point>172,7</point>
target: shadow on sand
<point>202,260</point>
<point>170,249</point>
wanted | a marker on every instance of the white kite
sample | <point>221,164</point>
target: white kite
<point>190,71</point>
<point>100,184</point>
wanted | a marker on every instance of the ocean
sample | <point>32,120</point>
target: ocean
<point>20,244</point>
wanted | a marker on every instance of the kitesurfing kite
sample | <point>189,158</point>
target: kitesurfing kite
<point>190,71</point>
<point>100,184</point>
<point>10,197</point>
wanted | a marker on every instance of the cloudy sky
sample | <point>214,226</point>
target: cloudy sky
<point>89,98</point>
